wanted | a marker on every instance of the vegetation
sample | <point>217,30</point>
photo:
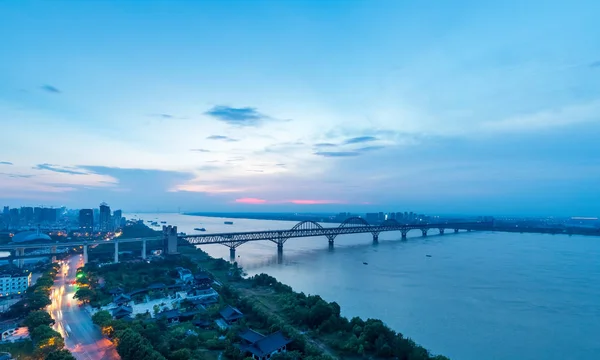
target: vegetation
<point>22,350</point>
<point>45,342</point>
<point>36,297</point>
<point>318,330</point>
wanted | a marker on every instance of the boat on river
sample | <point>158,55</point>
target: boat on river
<point>200,229</point>
<point>228,223</point>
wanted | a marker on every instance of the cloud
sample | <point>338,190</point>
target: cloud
<point>322,145</point>
<point>315,202</point>
<point>166,116</point>
<point>200,150</point>
<point>58,169</point>
<point>595,64</point>
<point>245,116</point>
<point>370,148</point>
<point>221,137</point>
<point>256,171</point>
<point>337,153</point>
<point>50,89</point>
<point>360,139</point>
<point>250,201</point>
<point>5,163</point>
<point>17,175</point>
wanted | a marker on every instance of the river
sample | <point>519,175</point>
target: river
<point>479,295</point>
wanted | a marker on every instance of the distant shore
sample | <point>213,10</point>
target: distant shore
<point>324,217</point>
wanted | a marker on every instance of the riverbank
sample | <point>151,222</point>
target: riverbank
<point>316,325</point>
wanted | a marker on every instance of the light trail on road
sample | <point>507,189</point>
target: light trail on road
<point>82,337</point>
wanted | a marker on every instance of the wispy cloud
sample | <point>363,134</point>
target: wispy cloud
<point>325,145</point>
<point>50,89</point>
<point>337,153</point>
<point>315,202</point>
<point>222,138</point>
<point>17,176</point>
<point>360,139</point>
<point>244,116</point>
<point>370,148</point>
<point>250,201</point>
<point>595,64</point>
<point>5,163</point>
<point>200,150</point>
<point>59,169</point>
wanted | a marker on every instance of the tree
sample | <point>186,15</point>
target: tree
<point>37,318</point>
<point>132,346</point>
<point>101,318</point>
<point>60,355</point>
<point>84,294</point>
<point>181,354</point>
<point>37,300</point>
<point>42,333</point>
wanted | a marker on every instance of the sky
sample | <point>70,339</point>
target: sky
<point>480,107</point>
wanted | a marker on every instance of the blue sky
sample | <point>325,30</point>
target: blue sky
<point>444,107</point>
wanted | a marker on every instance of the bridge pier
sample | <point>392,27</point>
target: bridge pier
<point>53,251</point>
<point>144,249</point>
<point>404,232</point>
<point>20,262</point>
<point>375,238</point>
<point>279,252</point>
<point>455,231</point>
<point>116,251</point>
<point>170,240</point>
<point>330,244</point>
<point>424,232</point>
<point>442,231</point>
<point>85,254</point>
<point>232,253</point>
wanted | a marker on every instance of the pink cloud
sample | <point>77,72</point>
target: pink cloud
<point>315,202</point>
<point>250,201</point>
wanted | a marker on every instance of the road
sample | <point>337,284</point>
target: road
<point>75,324</point>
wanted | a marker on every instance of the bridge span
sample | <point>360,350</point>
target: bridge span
<point>170,238</point>
<point>353,225</point>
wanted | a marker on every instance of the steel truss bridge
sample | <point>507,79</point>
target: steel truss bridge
<point>353,225</point>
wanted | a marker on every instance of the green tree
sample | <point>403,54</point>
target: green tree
<point>38,300</point>
<point>132,346</point>
<point>42,333</point>
<point>85,294</point>
<point>181,354</point>
<point>60,355</point>
<point>37,318</point>
<point>102,318</point>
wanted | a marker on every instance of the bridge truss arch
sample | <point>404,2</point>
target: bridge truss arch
<point>306,226</point>
<point>353,222</point>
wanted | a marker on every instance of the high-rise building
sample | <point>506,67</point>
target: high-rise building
<point>37,215</point>
<point>86,220</point>
<point>14,218</point>
<point>372,218</point>
<point>117,215</point>
<point>27,215</point>
<point>105,218</point>
<point>49,215</point>
<point>6,211</point>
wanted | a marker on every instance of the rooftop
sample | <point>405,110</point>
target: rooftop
<point>265,345</point>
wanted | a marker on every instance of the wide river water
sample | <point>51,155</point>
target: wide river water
<point>479,295</point>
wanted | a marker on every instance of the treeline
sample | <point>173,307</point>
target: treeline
<point>154,339</point>
<point>36,297</point>
<point>350,337</point>
<point>47,343</point>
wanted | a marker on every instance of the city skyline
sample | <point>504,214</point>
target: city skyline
<point>476,108</point>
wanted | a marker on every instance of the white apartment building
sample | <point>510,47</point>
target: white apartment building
<point>14,283</point>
